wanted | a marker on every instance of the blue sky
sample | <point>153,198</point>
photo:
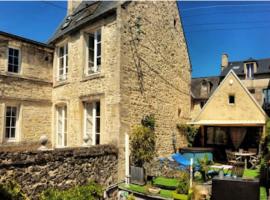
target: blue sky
<point>240,29</point>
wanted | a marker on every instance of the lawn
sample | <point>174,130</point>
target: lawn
<point>251,173</point>
<point>166,183</point>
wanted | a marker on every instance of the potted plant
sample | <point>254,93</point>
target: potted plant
<point>142,145</point>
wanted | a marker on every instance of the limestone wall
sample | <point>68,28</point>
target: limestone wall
<point>61,168</point>
<point>155,70</point>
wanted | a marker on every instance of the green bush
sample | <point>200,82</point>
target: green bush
<point>183,185</point>
<point>91,191</point>
<point>142,145</point>
<point>11,191</point>
<point>190,132</point>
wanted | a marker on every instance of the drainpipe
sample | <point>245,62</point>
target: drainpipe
<point>127,174</point>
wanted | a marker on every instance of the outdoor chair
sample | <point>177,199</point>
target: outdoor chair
<point>254,161</point>
<point>233,159</point>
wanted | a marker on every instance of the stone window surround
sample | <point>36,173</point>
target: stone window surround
<point>19,62</point>
<point>86,34</point>
<point>18,123</point>
<point>246,70</point>
<point>229,99</point>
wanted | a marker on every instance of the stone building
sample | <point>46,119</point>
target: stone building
<point>25,89</point>
<point>253,73</point>
<point>113,63</point>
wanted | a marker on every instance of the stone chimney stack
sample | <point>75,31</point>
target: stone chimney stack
<point>224,61</point>
<point>72,5</point>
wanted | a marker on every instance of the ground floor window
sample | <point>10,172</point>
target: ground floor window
<point>92,121</point>
<point>11,121</point>
<point>61,126</point>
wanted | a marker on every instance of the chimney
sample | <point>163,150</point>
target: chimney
<point>224,61</point>
<point>72,5</point>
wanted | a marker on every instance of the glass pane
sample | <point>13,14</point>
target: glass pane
<point>66,61</point>
<point>7,133</point>
<point>16,61</point>
<point>91,55</point>
<point>8,111</point>
<point>97,125</point>
<point>66,49</point>
<point>13,111</point>
<point>16,53</point>
<point>61,63</point>
<point>91,40</point>
<point>61,51</point>
<point>10,60</point>
<point>98,61</point>
<point>13,121</point>
<point>97,139</point>
<point>10,51</point>
<point>12,132</point>
<point>99,49</point>
<point>7,121</point>
<point>98,108</point>
<point>98,36</point>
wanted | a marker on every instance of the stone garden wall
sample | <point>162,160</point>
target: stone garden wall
<point>36,171</point>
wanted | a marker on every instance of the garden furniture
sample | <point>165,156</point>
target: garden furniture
<point>233,159</point>
<point>244,155</point>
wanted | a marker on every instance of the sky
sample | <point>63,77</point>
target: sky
<point>240,29</point>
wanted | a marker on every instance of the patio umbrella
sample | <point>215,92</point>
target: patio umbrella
<point>237,136</point>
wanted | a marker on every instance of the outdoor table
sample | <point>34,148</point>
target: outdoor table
<point>222,167</point>
<point>244,155</point>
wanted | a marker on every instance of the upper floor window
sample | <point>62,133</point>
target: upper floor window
<point>94,53</point>
<point>231,99</point>
<point>11,120</point>
<point>250,70</point>
<point>266,93</point>
<point>63,63</point>
<point>13,60</point>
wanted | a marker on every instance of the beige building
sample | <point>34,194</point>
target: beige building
<point>113,63</point>
<point>231,118</point>
<point>253,73</point>
<point>25,89</point>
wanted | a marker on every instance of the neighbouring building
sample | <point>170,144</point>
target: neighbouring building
<point>232,118</point>
<point>253,73</point>
<point>25,89</point>
<point>113,63</point>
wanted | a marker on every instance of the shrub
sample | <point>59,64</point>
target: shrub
<point>183,185</point>
<point>131,197</point>
<point>149,121</point>
<point>91,191</point>
<point>190,132</point>
<point>11,191</point>
<point>142,145</point>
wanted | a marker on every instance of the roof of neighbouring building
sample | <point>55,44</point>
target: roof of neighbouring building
<point>196,86</point>
<point>16,37</point>
<point>87,11</point>
<point>263,66</point>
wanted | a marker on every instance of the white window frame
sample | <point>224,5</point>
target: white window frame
<point>63,109</point>
<point>63,77</point>
<point>95,69</point>
<point>250,70</point>
<point>19,59</point>
<point>17,126</point>
<point>93,106</point>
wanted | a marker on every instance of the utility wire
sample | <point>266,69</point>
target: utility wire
<point>53,4</point>
<point>221,6</point>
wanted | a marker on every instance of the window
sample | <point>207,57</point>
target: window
<point>250,70</point>
<point>13,60</point>
<point>231,99</point>
<point>92,121</point>
<point>61,126</point>
<point>94,53</point>
<point>252,91</point>
<point>266,93</point>
<point>216,135</point>
<point>63,63</point>
<point>11,122</point>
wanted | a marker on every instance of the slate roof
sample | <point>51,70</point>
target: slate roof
<point>238,67</point>
<point>196,86</point>
<point>16,37</point>
<point>87,11</point>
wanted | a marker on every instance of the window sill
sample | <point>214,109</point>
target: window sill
<point>92,76</point>
<point>60,83</point>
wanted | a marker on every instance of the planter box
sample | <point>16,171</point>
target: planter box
<point>177,196</point>
<point>137,175</point>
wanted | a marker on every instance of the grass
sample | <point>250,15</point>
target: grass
<point>263,195</point>
<point>251,173</point>
<point>166,183</point>
<point>143,190</point>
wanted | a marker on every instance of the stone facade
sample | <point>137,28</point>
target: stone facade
<point>30,89</point>
<point>60,169</point>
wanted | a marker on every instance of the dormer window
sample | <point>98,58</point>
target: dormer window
<point>205,88</point>
<point>250,70</point>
